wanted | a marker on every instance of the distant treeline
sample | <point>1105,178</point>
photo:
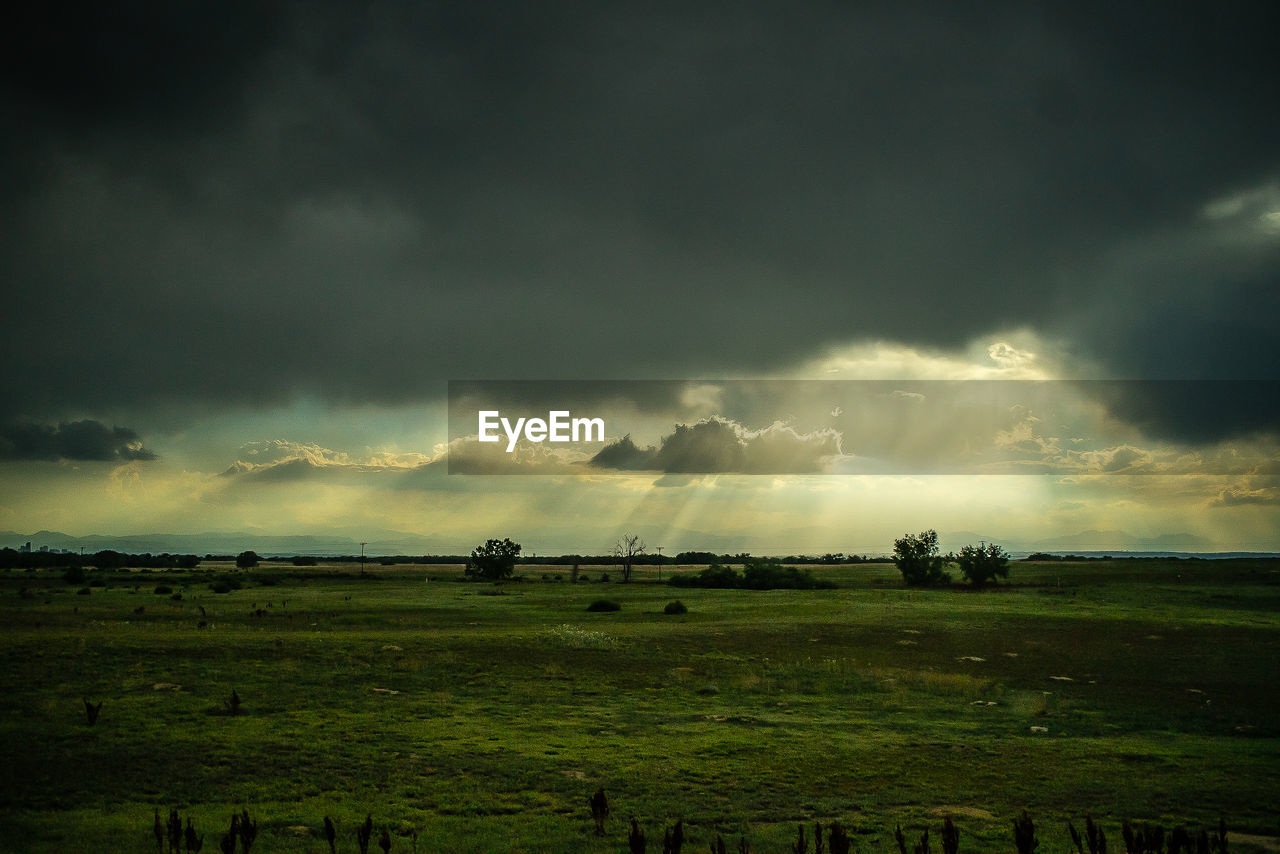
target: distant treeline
<point>105,559</point>
<point>682,558</point>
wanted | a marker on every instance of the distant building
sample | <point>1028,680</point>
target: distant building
<point>25,549</point>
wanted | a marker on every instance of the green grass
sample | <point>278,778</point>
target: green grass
<point>485,722</point>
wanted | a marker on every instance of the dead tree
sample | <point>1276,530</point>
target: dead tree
<point>599,810</point>
<point>1220,843</point>
<point>636,842</point>
<point>717,847</point>
<point>233,705</point>
<point>91,711</point>
<point>838,839</point>
<point>330,834</point>
<point>193,843</point>
<point>817,837</point>
<point>950,837</point>
<point>363,832</point>
<point>673,839</point>
<point>922,847</point>
<point>1130,841</point>
<point>743,848</point>
<point>1024,834</point>
<point>384,841</point>
<point>158,829</point>
<point>900,839</point>
<point>1179,841</point>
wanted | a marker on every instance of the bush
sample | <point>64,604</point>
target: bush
<point>676,607</point>
<point>494,560</point>
<point>97,582</point>
<point>917,558</point>
<point>604,605</point>
<point>74,575</point>
<point>757,574</point>
<point>982,564</point>
<point>162,590</point>
<point>83,591</point>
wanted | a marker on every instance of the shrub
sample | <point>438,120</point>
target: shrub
<point>494,560</point>
<point>604,605</point>
<point>74,575</point>
<point>162,590</point>
<point>83,591</point>
<point>982,564</point>
<point>917,558</point>
<point>97,582</point>
<point>757,574</point>
<point>676,607</point>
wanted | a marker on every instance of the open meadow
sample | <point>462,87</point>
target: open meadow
<point>483,717</point>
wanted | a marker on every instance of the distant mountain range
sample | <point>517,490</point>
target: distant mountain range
<point>567,541</point>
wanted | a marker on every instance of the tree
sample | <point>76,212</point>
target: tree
<point>917,558</point>
<point>981,564</point>
<point>628,548</point>
<point>493,561</point>
<point>247,560</point>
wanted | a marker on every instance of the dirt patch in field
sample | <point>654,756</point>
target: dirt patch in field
<point>962,812</point>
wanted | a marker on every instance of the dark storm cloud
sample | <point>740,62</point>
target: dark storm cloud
<point>77,440</point>
<point>719,446</point>
<point>233,204</point>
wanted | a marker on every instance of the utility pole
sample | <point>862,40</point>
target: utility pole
<point>659,564</point>
<point>362,545</point>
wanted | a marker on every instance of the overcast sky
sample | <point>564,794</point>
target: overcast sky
<point>229,227</point>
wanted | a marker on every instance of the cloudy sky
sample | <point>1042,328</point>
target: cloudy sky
<point>246,246</point>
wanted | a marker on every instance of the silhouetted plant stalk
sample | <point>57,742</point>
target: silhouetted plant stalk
<point>673,838</point>
<point>950,837</point>
<point>330,834</point>
<point>363,833</point>
<point>635,840</point>
<point>1024,834</point>
<point>599,805</point>
<point>91,711</point>
<point>248,830</point>
<point>838,839</point>
<point>800,846</point>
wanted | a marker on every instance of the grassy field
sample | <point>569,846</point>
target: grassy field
<point>483,718</point>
